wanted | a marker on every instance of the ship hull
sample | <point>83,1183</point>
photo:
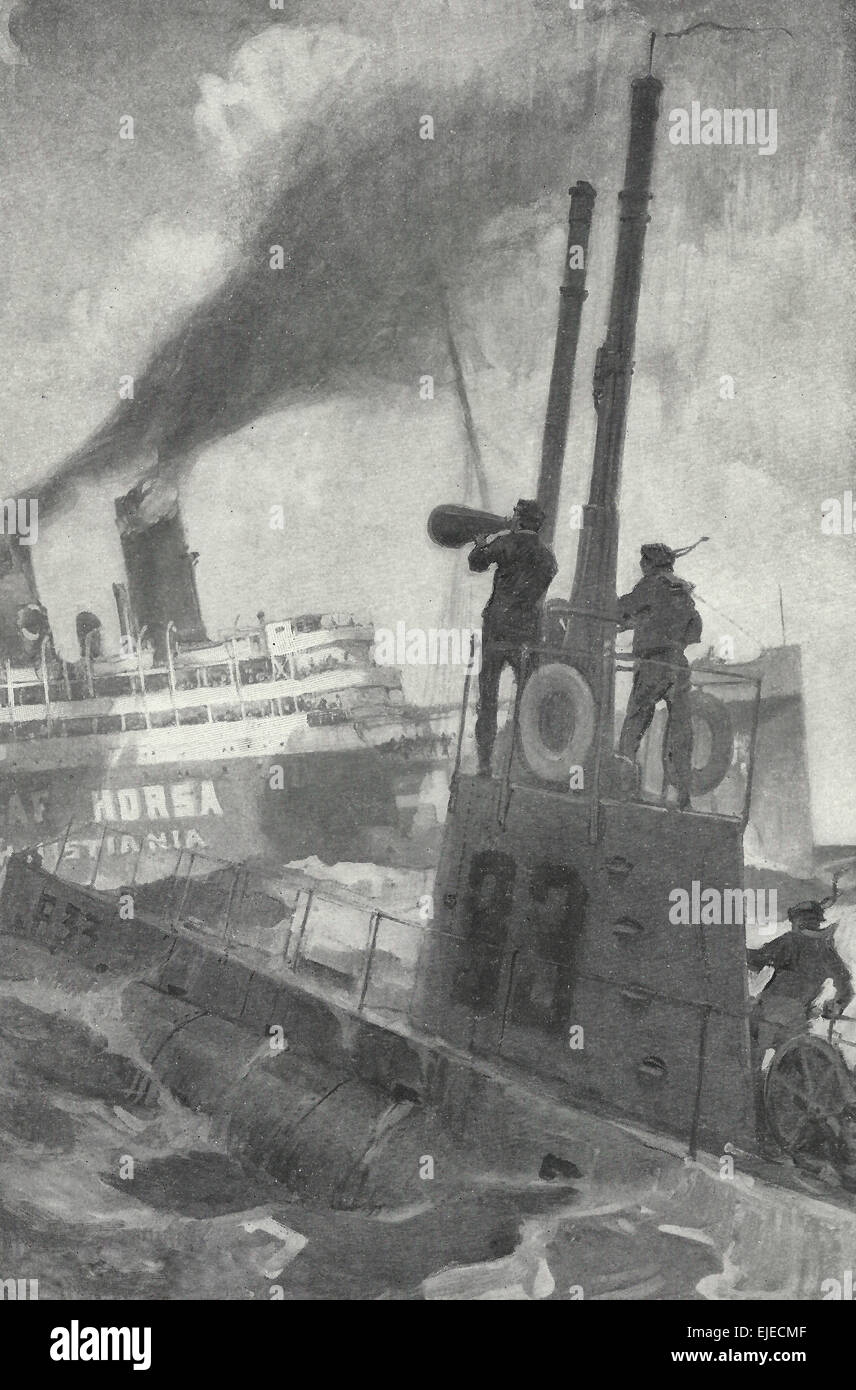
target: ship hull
<point>127,809</point>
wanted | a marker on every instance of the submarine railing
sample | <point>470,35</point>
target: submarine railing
<point>513,1003</point>
<point>305,899</point>
<point>603,780</point>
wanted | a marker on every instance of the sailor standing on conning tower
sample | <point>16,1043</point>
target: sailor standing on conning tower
<point>665,621</point>
<point>511,619</point>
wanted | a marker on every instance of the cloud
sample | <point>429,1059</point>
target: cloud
<point>10,53</point>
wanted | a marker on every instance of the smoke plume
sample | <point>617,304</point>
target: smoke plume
<point>373,221</point>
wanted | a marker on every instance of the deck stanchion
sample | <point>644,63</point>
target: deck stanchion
<point>505,795</point>
<point>230,902</point>
<point>10,695</point>
<point>62,845</point>
<point>453,781</point>
<point>139,856</point>
<point>87,662</point>
<point>512,966</point>
<point>138,643</point>
<point>310,896</point>
<point>167,902</point>
<point>602,735</point>
<point>185,889</point>
<point>753,739</point>
<point>235,671</point>
<point>170,669</point>
<point>374,923</point>
<point>702,1049</point>
<point>94,879</point>
<point>46,681</point>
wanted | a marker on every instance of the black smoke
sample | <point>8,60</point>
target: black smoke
<point>376,224</point>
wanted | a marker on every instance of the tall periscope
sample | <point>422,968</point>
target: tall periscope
<point>593,591</point>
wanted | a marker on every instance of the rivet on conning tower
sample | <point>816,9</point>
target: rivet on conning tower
<point>552,944</point>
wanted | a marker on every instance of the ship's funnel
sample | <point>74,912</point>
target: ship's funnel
<point>160,567</point>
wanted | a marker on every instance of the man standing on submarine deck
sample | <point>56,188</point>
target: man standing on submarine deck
<point>511,619</point>
<point>665,621</point>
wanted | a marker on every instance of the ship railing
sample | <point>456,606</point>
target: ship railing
<point>305,623</point>
<point>324,933</point>
<point>526,1006</point>
<point>558,741</point>
<point>55,698</point>
<point>134,671</point>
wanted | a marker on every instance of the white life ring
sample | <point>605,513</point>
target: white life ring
<point>706,709</point>
<point>556,695</point>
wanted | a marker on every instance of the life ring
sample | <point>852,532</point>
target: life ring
<point>556,721</point>
<point>705,709</point>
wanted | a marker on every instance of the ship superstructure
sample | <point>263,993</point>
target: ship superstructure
<point>268,744</point>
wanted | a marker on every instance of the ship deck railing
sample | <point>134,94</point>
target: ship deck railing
<point>60,699</point>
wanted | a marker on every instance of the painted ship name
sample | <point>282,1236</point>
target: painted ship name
<point>182,800</point>
<point>151,842</point>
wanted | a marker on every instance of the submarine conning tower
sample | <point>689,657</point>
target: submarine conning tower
<point>553,944</point>
<point>159,564</point>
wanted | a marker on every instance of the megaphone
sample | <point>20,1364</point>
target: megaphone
<point>455,526</point>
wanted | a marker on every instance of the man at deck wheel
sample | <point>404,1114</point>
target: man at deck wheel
<point>802,960</point>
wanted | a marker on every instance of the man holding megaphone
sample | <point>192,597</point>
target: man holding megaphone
<point>511,619</point>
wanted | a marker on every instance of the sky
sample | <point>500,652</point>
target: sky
<point>298,387</point>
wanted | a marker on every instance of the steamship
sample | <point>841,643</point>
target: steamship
<point>278,742</point>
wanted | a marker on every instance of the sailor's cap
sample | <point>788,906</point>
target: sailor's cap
<point>658,554</point>
<point>663,556</point>
<point>810,909</point>
<point>530,512</point>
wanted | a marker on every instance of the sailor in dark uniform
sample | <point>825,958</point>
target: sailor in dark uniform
<point>511,618</point>
<point>802,960</point>
<point>664,619</point>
